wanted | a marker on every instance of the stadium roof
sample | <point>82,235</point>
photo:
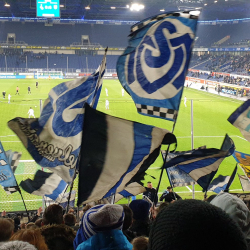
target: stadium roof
<point>101,9</point>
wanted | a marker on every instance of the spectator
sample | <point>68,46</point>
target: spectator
<point>38,222</point>
<point>19,245</point>
<point>170,196</point>
<point>58,237</point>
<point>6,230</point>
<point>53,214</point>
<point>236,209</point>
<point>31,225</point>
<point>140,225</point>
<point>31,236</point>
<point>69,220</point>
<point>151,193</point>
<point>140,243</point>
<point>101,229</point>
<point>128,219</point>
<point>195,225</point>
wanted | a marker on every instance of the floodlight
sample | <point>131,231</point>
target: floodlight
<point>195,12</point>
<point>127,6</point>
<point>136,7</point>
<point>112,8</point>
<point>61,5</point>
<point>162,10</point>
<point>7,5</point>
<point>87,8</point>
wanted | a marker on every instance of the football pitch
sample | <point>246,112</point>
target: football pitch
<point>210,126</point>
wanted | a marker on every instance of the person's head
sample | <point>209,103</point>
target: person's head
<point>32,236</point>
<point>236,209</point>
<point>128,217</point>
<point>53,214</point>
<point>140,243</point>
<point>38,222</point>
<point>31,225</point>
<point>149,184</point>
<point>69,219</point>
<point>100,218</point>
<point>169,189</point>
<point>140,209</point>
<point>163,205</point>
<point>20,245</point>
<point>187,221</point>
<point>30,108</point>
<point>6,229</point>
<point>58,237</point>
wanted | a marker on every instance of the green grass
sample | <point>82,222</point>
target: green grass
<point>210,126</point>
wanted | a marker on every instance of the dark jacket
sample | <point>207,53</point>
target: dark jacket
<point>139,228</point>
<point>150,193</point>
<point>171,196</point>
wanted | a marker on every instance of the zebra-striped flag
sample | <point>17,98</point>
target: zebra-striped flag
<point>45,184</point>
<point>54,140</point>
<point>202,164</point>
<point>113,152</point>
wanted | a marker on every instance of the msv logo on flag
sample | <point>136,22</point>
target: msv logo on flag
<point>153,67</point>
<point>54,140</point>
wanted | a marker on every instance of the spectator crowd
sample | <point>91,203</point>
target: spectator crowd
<point>220,222</point>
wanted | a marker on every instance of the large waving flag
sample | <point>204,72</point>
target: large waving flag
<point>113,152</point>
<point>7,178</point>
<point>153,67</point>
<point>240,118</point>
<point>177,177</point>
<point>202,164</point>
<point>222,183</point>
<point>45,184</point>
<point>54,140</point>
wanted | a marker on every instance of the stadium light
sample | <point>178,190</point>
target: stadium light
<point>195,12</point>
<point>7,5</point>
<point>112,8</point>
<point>87,8</point>
<point>127,6</point>
<point>136,7</point>
<point>162,10</point>
<point>61,6</point>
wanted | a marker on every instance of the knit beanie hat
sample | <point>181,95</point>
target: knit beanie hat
<point>140,209</point>
<point>236,209</point>
<point>17,245</point>
<point>99,218</point>
<point>195,225</point>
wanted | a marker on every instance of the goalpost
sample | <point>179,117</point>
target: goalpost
<point>49,75</point>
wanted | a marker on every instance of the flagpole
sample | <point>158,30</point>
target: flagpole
<point>165,160</point>
<point>20,192</point>
<point>192,140</point>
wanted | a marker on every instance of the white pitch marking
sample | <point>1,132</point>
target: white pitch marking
<point>189,188</point>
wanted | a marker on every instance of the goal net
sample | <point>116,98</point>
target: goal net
<point>49,75</point>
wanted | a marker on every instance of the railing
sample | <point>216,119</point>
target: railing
<point>14,43</point>
<point>64,70</point>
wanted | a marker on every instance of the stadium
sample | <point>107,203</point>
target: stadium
<point>45,43</point>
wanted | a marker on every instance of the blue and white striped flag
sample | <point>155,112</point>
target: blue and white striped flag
<point>222,183</point>
<point>240,118</point>
<point>130,190</point>
<point>54,140</point>
<point>202,164</point>
<point>7,178</point>
<point>13,160</point>
<point>115,152</point>
<point>45,184</point>
<point>153,67</point>
<point>63,201</point>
